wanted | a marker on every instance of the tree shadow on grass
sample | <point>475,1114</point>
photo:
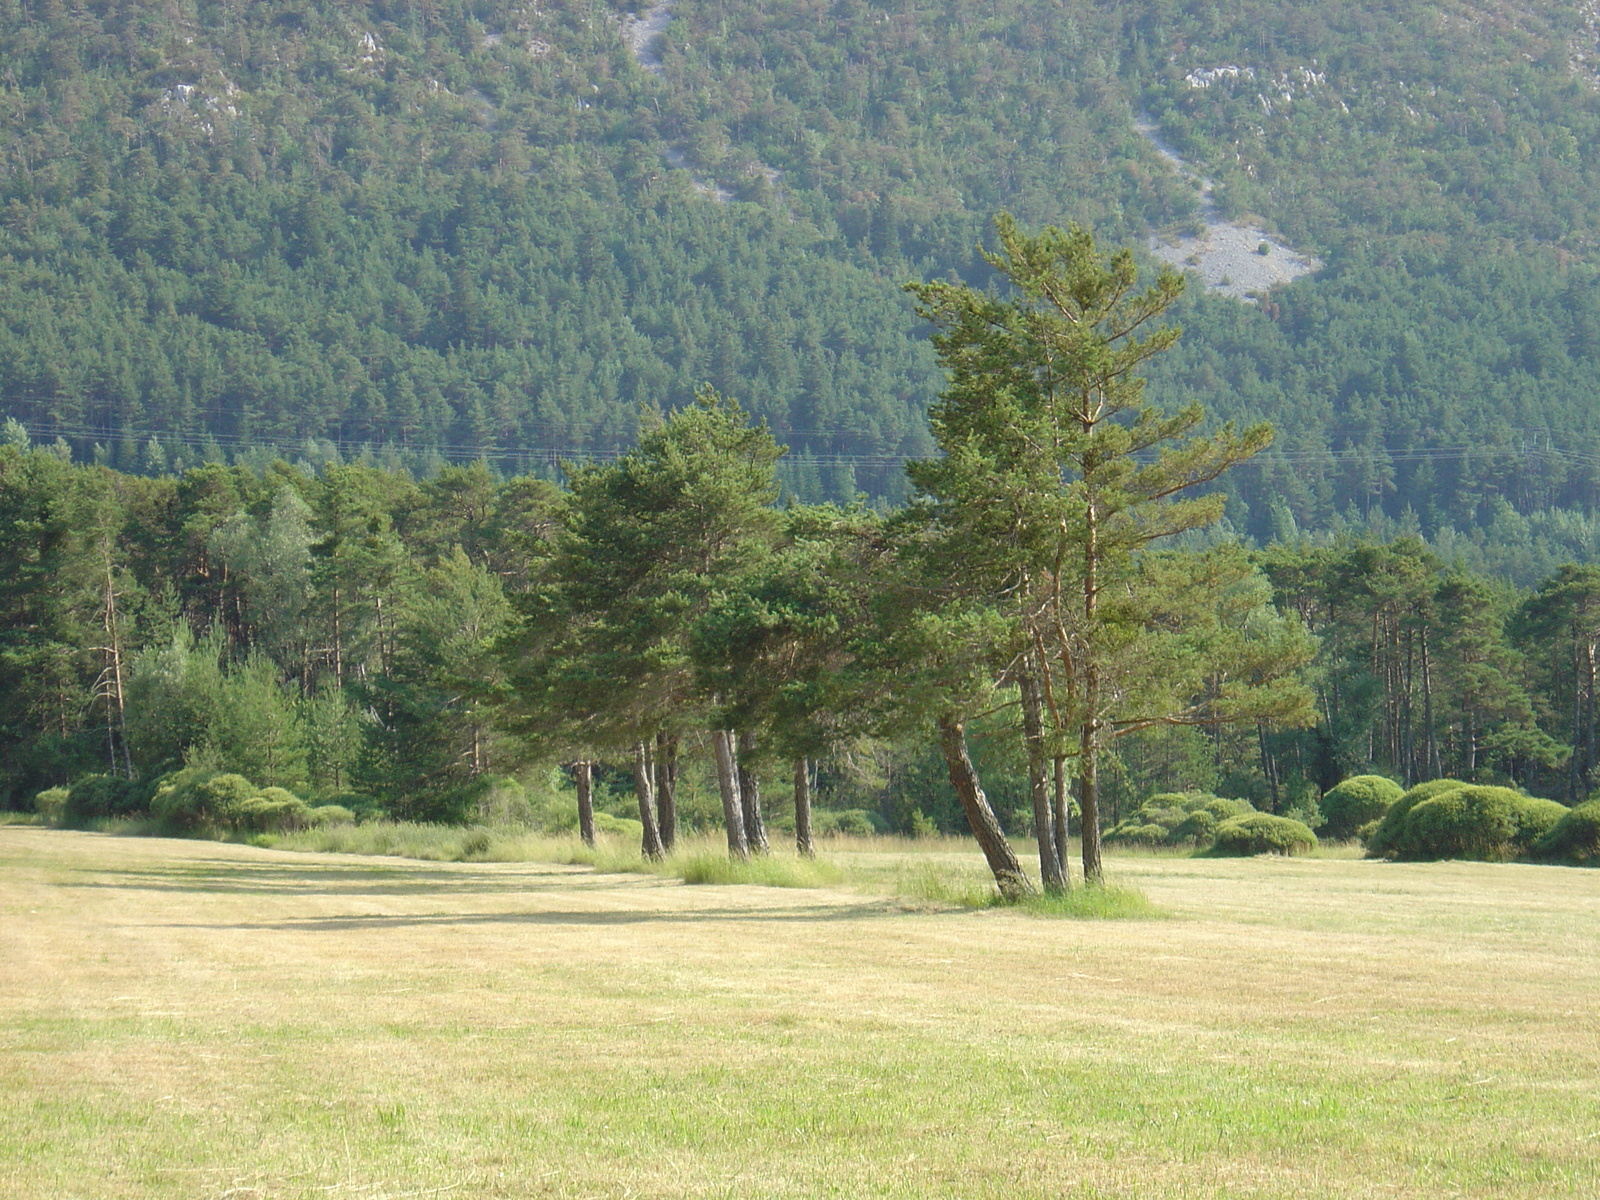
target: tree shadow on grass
<point>288,880</point>
<point>694,916</point>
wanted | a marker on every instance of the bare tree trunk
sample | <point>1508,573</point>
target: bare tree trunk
<point>1009,876</point>
<point>728,785</point>
<point>802,809</point>
<point>1062,802</point>
<point>755,829</point>
<point>667,789</point>
<point>583,777</point>
<point>644,789</point>
<point>1044,831</point>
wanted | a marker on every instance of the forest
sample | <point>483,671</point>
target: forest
<point>445,232</point>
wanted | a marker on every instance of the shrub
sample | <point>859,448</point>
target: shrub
<point>1474,822</point>
<point>1575,837</point>
<point>363,807</point>
<point>1364,834</point>
<point>1199,827</point>
<point>195,799</point>
<point>849,822</point>
<point>331,814</point>
<point>1382,841</point>
<point>96,797</point>
<point>604,822</point>
<point>51,804</point>
<point>1176,819</point>
<point>1357,800</point>
<point>1263,833</point>
<point>275,810</point>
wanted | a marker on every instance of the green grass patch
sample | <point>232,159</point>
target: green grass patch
<point>19,818</point>
<point>1105,902</point>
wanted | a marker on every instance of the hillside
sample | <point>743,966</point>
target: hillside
<point>492,228</point>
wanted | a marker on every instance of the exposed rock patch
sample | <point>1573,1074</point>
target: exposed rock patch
<point>1236,259</point>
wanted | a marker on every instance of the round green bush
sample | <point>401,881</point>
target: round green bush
<point>1575,837</point>
<point>97,797</point>
<point>194,799</point>
<point>51,803</point>
<point>332,814</point>
<point>850,822</point>
<point>1382,842</point>
<point>1475,822</point>
<point>1263,833</point>
<point>1222,809</point>
<point>1364,834</point>
<point>1198,827</point>
<point>1359,799</point>
<point>275,810</point>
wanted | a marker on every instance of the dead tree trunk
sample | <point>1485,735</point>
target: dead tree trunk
<point>643,787</point>
<point>728,785</point>
<point>802,809</point>
<point>1009,876</point>
<point>583,777</point>
<point>755,829</point>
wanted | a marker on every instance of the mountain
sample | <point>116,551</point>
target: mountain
<point>499,228</point>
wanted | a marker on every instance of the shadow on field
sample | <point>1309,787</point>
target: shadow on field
<point>696,916</point>
<point>224,876</point>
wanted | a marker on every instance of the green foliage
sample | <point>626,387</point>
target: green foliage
<point>852,822</point>
<point>1575,837</point>
<point>273,810</point>
<point>331,814</point>
<point>199,800</point>
<point>1474,822</point>
<point>1263,833</point>
<point>1385,839</point>
<point>1176,819</point>
<point>51,804</point>
<point>101,797</point>
<point>1355,802</point>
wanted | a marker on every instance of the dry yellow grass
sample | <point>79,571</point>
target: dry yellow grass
<point>190,1019</point>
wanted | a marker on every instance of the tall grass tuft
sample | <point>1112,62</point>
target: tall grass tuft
<point>1099,902</point>
<point>706,865</point>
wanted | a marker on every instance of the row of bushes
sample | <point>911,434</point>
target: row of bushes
<point>1201,820</point>
<point>1450,818</point>
<point>191,801</point>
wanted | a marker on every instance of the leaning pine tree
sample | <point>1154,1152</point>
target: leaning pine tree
<point>1056,478</point>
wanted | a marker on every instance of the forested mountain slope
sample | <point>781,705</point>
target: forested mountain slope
<point>486,227</point>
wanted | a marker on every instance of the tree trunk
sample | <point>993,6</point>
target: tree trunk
<point>802,809</point>
<point>1089,742</point>
<point>1009,876</point>
<point>755,829</point>
<point>1062,802</point>
<point>644,789</point>
<point>667,789</point>
<point>728,785</point>
<point>1089,800</point>
<point>583,777</point>
<point>1044,831</point>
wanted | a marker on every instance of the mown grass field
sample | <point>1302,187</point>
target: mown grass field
<point>192,1019</point>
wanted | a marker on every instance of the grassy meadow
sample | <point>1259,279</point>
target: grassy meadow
<point>197,1019</point>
